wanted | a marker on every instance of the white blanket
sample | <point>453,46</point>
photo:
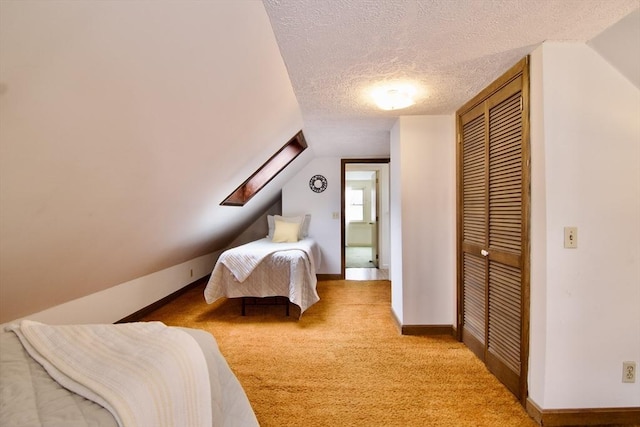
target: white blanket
<point>242,260</point>
<point>145,374</point>
<point>267,269</point>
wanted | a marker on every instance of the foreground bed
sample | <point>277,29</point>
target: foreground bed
<point>266,269</point>
<point>30,396</point>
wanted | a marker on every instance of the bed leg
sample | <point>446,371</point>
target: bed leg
<point>244,300</point>
<point>287,308</point>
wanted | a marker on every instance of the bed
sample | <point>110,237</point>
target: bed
<point>283,264</point>
<point>30,396</point>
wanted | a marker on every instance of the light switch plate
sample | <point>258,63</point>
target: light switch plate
<point>571,237</point>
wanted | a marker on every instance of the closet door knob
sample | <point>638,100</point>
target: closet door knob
<point>484,253</point>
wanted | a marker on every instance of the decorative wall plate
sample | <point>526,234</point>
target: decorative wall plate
<point>318,183</point>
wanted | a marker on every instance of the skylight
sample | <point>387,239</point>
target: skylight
<point>267,171</point>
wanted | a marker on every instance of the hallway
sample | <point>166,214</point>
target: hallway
<point>366,274</point>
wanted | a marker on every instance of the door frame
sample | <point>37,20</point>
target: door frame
<point>343,167</point>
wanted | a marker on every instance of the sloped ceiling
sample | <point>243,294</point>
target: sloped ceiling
<point>618,43</point>
<point>337,51</point>
<point>123,125</point>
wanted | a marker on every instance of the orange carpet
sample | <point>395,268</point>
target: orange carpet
<point>344,363</point>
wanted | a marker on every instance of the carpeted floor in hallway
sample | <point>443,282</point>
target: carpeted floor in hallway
<point>344,363</point>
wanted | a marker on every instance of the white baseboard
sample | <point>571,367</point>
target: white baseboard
<point>117,302</point>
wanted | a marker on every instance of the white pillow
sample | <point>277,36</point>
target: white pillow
<point>304,222</point>
<point>304,228</point>
<point>285,232</point>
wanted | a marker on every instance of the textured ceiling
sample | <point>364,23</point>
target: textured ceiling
<point>337,50</point>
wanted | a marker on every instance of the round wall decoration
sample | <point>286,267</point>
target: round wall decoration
<point>318,183</point>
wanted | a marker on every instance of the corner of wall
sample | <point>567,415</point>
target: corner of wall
<point>538,281</point>
<point>395,226</point>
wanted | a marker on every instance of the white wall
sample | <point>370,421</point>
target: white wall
<point>395,223</point>
<point>585,315</point>
<point>538,224</point>
<point>297,198</point>
<point>118,302</point>
<point>613,45</point>
<point>423,229</point>
<point>124,125</point>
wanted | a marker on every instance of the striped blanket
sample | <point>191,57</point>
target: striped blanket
<point>145,374</point>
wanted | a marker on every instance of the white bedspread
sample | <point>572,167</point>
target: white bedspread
<point>263,268</point>
<point>242,260</point>
<point>156,376</point>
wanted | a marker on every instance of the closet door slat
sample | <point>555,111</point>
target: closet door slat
<point>474,296</point>
<point>474,197</point>
<point>504,314</point>
<point>505,175</point>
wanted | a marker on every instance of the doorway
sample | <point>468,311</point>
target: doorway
<point>365,219</point>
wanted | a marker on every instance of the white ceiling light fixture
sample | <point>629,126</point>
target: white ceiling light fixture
<point>394,97</point>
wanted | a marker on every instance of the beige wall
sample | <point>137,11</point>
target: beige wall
<point>124,124</point>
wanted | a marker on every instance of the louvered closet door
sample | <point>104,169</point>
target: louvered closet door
<point>505,235</point>
<point>493,233</point>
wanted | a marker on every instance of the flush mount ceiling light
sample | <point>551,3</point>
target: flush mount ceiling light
<point>394,97</point>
